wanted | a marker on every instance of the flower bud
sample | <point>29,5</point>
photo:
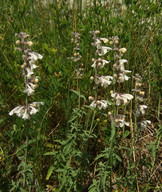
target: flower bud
<point>141,92</point>
<point>99,59</point>
<point>25,64</point>
<point>98,102</point>
<point>139,84</point>
<point>116,120</point>
<point>105,41</point>
<point>78,53</point>
<point>30,43</point>
<point>105,121</point>
<point>111,42</point>
<point>22,66</point>
<point>36,80</point>
<point>18,42</point>
<point>91,78</point>
<point>90,98</point>
<point>97,32</point>
<point>75,54</point>
<point>123,50</point>
<point>109,113</point>
<point>115,75</point>
<point>116,42</point>
<point>93,59</point>
<point>99,64</point>
<point>111,92</point>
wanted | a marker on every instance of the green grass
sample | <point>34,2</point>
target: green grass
<point>72,147</point>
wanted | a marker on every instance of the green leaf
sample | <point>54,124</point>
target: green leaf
<point>126,133</point>
<point>50,153</point>
<point>78,93</point>
<point>49,173</point>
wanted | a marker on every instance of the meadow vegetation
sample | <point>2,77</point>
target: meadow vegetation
<point>88,105</point>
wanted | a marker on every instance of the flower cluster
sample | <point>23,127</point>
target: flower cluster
<point>121,98</point>
<point>30,59</point>
<point>120,76</point>
<point>139,96</point>
<point>76,56</point>
<point>99,63</point>
<point>119,120</point>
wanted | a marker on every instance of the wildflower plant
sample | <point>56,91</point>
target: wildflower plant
<point>31,80</point>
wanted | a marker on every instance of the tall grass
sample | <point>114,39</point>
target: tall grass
<point>72,146</point>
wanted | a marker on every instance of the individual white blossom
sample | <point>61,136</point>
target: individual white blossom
<point>121,64</point>
<point>123,77</point>
<point>103,50</point>
<point>25,114</point>
<point>34,107</point>
<point>33,56</point>
<point>29,73</point>
<point>19,110</point>
<point>121,98</point>
<point>102,62</point>
<point>144,124</point>
<point>29,90</point>
<point>141,109</point>
<point>120,121</point>
<point>22,111</point>
<point>104,80</point>
<point>100,104</point>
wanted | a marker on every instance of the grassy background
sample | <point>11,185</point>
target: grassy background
<point>65,139</point>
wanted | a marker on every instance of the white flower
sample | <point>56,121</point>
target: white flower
<point>34,107</point>
<point>29,89</point>
<point>101,104</point>
<point>143,124</point>
<point>123,122</point>
<point>25,115</point>
<point>121,98</point>
<point>19,110</point>
<point>121,64</point>
<point>103,62</point>
<point>35,56</point>
<point>104,80</point>
<point>32,66</point>
<point>105,40</point>
<point>141,109</point>
<point>103,50</point>
<point>29,73</point>
<point>123,77</point>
